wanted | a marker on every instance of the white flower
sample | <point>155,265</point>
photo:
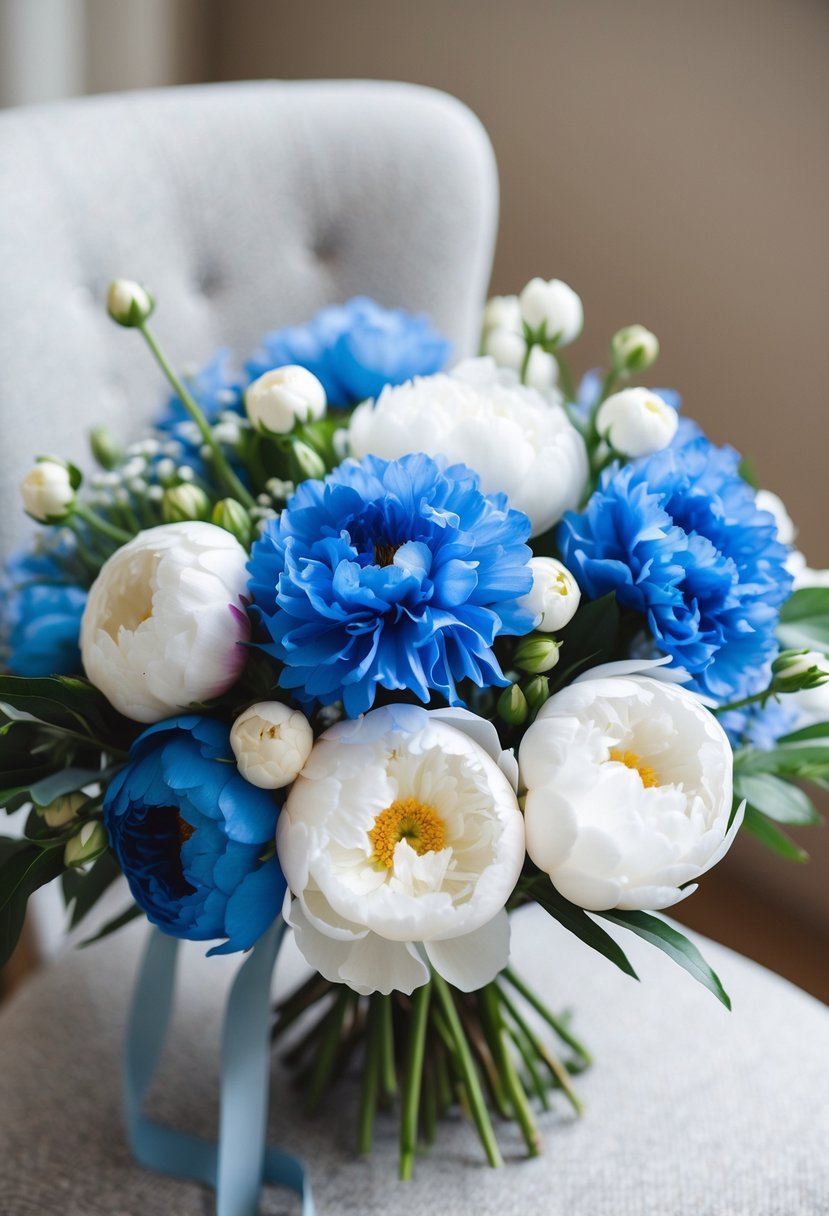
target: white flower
<point>554,596</point>
<point>282,396</point>
<point>508,349</point>
<point>636,422</point>
<point>634,348</point>
<point>402,840</point>
<point>767,501</point>
<point>47,491</point>
<point>271,743</point>
<point>162,623</point>
<point>129,303</point>
<point>502,312</point>
<point>629,785</point>
<point>519,443</point>
<point>554,308</point>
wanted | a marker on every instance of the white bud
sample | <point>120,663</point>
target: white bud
<point>502,312</point>
<point>554,595</point>
<point>271,743</point>
<point>636,422</point>
<point>63,810</point>
<point>47,491</point>
<point>553,309</point>
<point>634,348</point>
<point>129,303</point>
<point>86,844</point>
<point>276,400</point>
<point>506,346</point>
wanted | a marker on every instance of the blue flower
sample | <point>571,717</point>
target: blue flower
<point>679,538</point>
<point>189,833</point>
<point>356,349</point>
<point>761,726</point>
<point>398,573</point>
<point>40,616</point>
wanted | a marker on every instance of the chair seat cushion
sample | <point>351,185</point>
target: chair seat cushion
<point>688,1109</point>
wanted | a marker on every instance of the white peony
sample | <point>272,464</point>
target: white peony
<point>636,422</point>
<point>552,307</point>
<point>163,620</point>
<point>519,443</point>
<point>271,743</point>
<point>283,396</point>
<point>402,840</point>
<point>47,491</point>
<point>629,784</point>
<point>554,596</point>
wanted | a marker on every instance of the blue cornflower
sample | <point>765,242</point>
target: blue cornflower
<point>399,573</point>
<point>356,349</point>
<point>40,615</point>
<point>189,833</point>
<point>678,537</point>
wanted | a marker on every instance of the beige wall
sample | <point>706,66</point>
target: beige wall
<point>671,160</point>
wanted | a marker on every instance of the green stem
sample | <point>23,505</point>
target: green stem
<point>758,696</point>
<point>509,1076</point>
<point>470,1077</point>
<point>232,482</point>
<point>525,362</point>
<point>388,1073</point>
<point>549,1017</point>
<point>608,385</point>
<point>327,1052</point>
<point>413,1080</point>
<point>371,1072</point>
<point>525,1050</point>
<point>565,377</point>
<point>556,1068</point>
<point>101,525</point>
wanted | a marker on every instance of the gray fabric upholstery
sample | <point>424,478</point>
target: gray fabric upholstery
<point>244,207</point>
<point>690,1111</point>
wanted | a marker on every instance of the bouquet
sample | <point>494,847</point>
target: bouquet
<point>382,652</point>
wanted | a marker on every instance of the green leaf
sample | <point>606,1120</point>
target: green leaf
<point>69,704</point>
<point>818,730</point>
<point>792,759</point>
<point>804,620</point>
<point>588,640</point>
<point>83,890</point>
<point>665,937</point>
<point>112,926</point>
<point>776,798</point>
<point>578,922</point>
<point>771,836</point>
<point>21,873</point>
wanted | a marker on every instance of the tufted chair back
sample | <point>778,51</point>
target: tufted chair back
<point>244,207</point>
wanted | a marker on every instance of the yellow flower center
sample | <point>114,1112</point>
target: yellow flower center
<point>407,819</point>
<point>631,760</point>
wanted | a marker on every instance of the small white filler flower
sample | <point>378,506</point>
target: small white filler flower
<point>271,743</point>
<point>282,396</point>
<point>636,422</point>
<point>163,620</point>
<point>401,841</point>
<point>554,595</point>
<point>520,443</point>
<point>629,784</point>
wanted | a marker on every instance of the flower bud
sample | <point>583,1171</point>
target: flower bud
<point>551,311</point>
<point>309,462</point>
<point>554,595</point>
<point>537,691</point>
<point>512,706</point>
<point>502,312</point>
<point>129,303</point>
<point>48,491</point>
<point>509,349</point>
<point>537,653</point>
<point>280,398</point>
<point>636,422</point>
<point>184,502</point>
<point>107,452</point>
<point>86,844</point>
<point>795,670</point>
<point>63,810</point>
<point>633,349</point>
<point>233,517</point>
<point>271,743</point>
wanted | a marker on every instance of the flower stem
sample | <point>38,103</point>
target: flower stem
<point>371,1071</point>
<point>549,1017</point>
<point>388,1073</point>
<point>327,1050</point>
<point>565,377</point>
<point>467,1066</point>
<point>102,525</point>
<point>413,1080</point>
<point>232,482</point>
<point>753,700</point>
<point>509,1076</point>
<point>556,1068</point>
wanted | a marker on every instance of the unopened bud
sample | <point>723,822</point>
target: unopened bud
<point>48,490</point>
<point>537,691</point>
<point>309,462</point>
<point>184,502</point>
<point>106,451</point>
<point>233,517</point>
<point>86,844</point>
<point>537,653</point>
<point>280,398</point>
<point>795,670</point>
<point>512,706</point>
<point>633,349</point>
<point>63,810</point>
<point>129,303</point>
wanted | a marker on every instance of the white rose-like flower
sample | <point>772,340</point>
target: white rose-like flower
<point>276,400</point>
<point>271,743</point>
<point>636,422</point>
<point>554,596</point>
<point>629,784</point>
<point>402,840</point>
<point>163,620</point>
<point>519,443</point>
<point>502,312</point>
<point>554,308</point>
<point>47,491</point>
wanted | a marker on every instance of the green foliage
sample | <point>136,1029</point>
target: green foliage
<point>589,639</point>
<point>24,867</point>
<point>770,835</point>
<point>668,939</point>
<point>578,922</point>
<point>804,620</point>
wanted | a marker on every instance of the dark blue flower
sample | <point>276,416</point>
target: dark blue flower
<point>398,573</point>
<point>679,538</point>
<point>356,349</point>
<point>189,833</point>
<point>40,615</point>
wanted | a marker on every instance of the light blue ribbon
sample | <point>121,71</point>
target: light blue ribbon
<point>241,1161</point>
